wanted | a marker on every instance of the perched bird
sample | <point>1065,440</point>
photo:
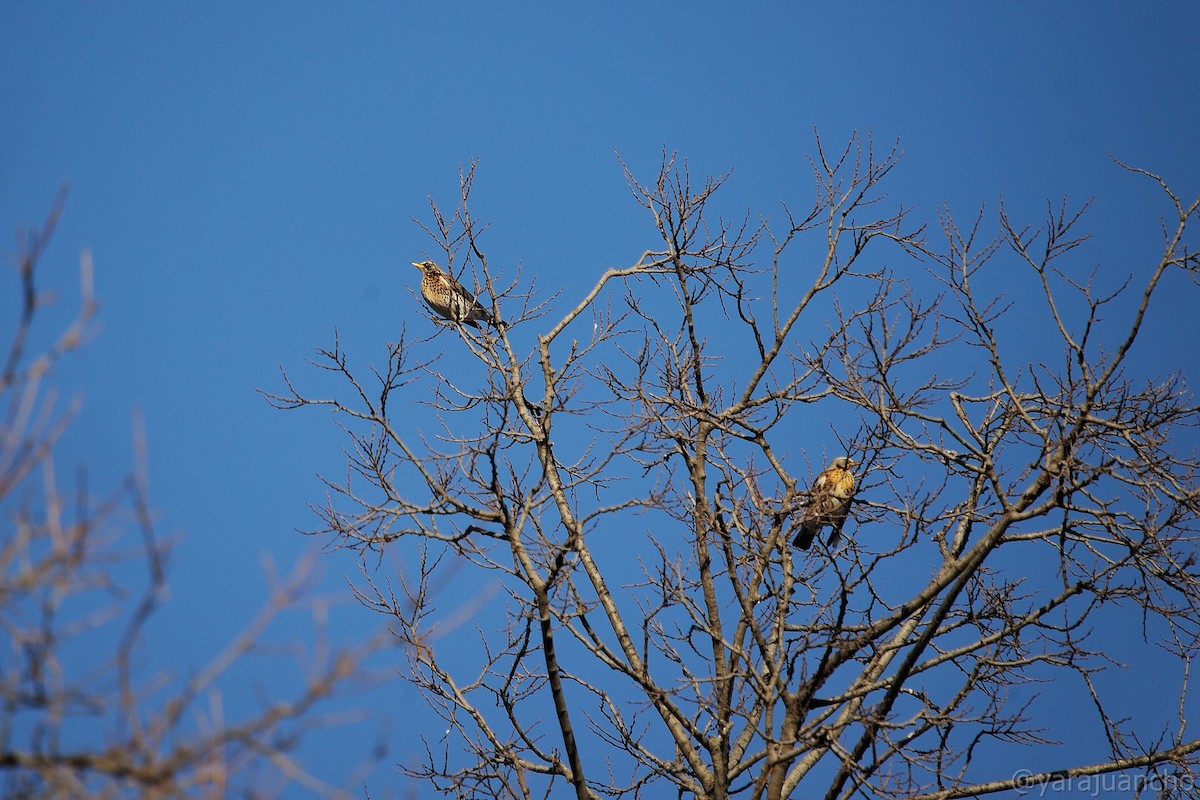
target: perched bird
<point>448,297</point>
<point>828,503</point>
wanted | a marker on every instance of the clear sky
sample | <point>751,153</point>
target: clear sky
<point>245,173</point>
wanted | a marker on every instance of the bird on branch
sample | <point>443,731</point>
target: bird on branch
<point>828,503</point>
<point>448,297</point>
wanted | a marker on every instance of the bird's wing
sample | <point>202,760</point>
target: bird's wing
<point>822,492</point>
<point>830,495</point>
<point>838,500</point>
<point>468,305</point>
<point>816,511</point>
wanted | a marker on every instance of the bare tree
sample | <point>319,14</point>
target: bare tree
<point>632,472</point>
<point>87,712</point>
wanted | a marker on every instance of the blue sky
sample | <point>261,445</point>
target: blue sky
<point>245,175</point>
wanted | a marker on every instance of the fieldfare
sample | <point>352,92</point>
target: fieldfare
<point>448,297</point>
<point>828,503</point>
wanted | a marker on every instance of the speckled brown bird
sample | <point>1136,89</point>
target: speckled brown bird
<point>448,297</point>
<point>828,503</point>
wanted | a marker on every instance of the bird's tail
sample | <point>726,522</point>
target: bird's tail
<point>808,532</point>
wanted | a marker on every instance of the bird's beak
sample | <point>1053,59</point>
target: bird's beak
<point>417,264</point>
